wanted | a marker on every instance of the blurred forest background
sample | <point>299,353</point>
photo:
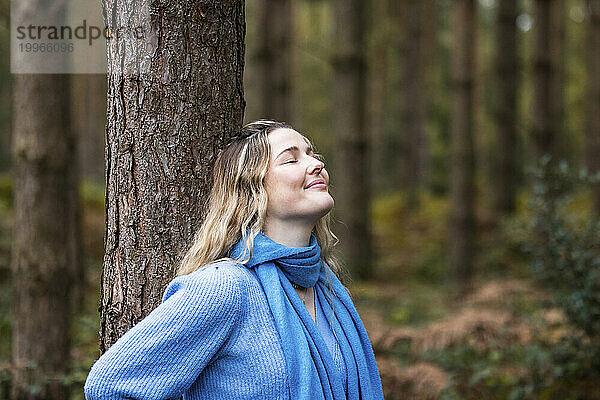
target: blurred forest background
<point>459,135</point>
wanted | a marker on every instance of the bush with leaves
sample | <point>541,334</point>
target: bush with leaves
<point>564,245</point>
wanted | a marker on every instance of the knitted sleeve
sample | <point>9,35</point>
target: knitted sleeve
<point>161,356</point>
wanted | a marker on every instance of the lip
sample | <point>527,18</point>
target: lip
<point>317,183</point>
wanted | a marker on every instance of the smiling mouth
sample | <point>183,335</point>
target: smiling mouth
<point>318,183</point>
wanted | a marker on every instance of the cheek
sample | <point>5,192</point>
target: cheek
<point>271,189</point>
<point>281,189</point>
<point>286,180</point>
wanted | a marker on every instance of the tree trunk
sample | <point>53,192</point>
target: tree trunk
<point>378,82</point>
<point>275,58</point>
<point>506,111</point>
<point>351,182</point>
<point>170,112</point>
<point>5,112</point>
<point>544,132</point>
<point>45,236</point>
<point>558,19</point>
<point>413,104</point>
<point>429,28</point>
<point>395,157</point>
<point>45,212</point>
<point>462,213</point>
<point>593,102</point>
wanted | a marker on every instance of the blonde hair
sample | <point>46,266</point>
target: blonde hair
<point>237,203</point>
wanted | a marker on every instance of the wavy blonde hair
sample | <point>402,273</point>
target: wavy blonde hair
<point>237,203</point>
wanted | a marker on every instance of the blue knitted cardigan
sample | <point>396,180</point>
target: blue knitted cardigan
<point>217,335</point>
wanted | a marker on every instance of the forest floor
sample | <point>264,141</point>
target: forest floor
<point>430,343</point>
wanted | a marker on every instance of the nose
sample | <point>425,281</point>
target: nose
<point>316,166</point>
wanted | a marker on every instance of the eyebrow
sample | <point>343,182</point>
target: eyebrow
<point>309,149</point>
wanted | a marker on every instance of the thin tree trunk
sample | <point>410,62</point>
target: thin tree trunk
<point>462,213</point>
<point>544,132</point>
<point>506,112</point>
<point>397,154</point>
<point>430,25</point>
<point>276,33</point>
<point>558,19</point>
<point>5,92</point>
<point>378,80</point>
<point>351,180</point>
<point>166,125</point>
<point>413,104</point>
<point>5,112</point>
<point>593,102</point>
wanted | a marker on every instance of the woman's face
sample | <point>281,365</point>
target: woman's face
<point>296,182</point>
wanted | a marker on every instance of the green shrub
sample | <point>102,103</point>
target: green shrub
<point>563,242</point>
<point>564,245</point>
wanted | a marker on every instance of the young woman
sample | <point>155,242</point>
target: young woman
<point>257,311</point>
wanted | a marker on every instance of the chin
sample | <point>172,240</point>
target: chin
<point>326,206</point>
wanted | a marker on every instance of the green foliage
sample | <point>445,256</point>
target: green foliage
<point>564,246</point>
<point>495,373</point>
<point>533,371</point>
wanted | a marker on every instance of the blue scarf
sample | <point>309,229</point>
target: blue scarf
<point>311,370</point>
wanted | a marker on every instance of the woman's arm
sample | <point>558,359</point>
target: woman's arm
<point>161,356</point>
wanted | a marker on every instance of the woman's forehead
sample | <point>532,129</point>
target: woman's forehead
<point>282,138</point>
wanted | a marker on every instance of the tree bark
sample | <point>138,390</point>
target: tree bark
<point>168,117</point>
<point>506,111</point>
<point>593,101</point>
<point>351,165</point>
<point>275,58</point>
<point>462,202</point>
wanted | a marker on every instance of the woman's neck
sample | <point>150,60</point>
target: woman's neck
<point>288,234</point>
